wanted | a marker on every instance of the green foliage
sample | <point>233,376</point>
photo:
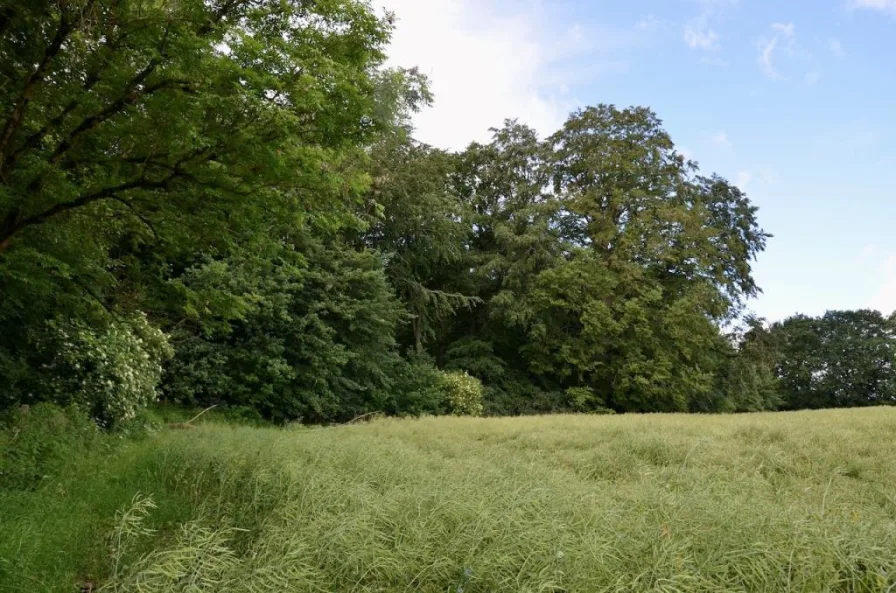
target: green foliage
<point>747,377</point>
<point>199,559</point>
<point>37,440</point>
<point>416,387</point>
<point>313,338</point>
<point>56,523</point>
<point>135,134</point>
<point>168,412</point>
<point>246,174</point>
<point>421,229</point>
<point>600,262</point>
<point>271,211</point>
<point>290,85</point>
<point>842,359</point>
<point>463,393</point>
<point>583,399</point>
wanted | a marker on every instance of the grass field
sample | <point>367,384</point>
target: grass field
<point>768,502</point>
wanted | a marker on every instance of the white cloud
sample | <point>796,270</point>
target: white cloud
<point>812,77</point>
<point>767,48</point>
<point>487,64</point>
<point>721,139</point>
<point>781,40</point>
<point>652,23</point>
<point>742,180</point>
<point>837,48</point>
<point>786,29</point>
<point>699,32</point>
<point>884,298</point>
<point>879,5</point>
<point>698,35</point>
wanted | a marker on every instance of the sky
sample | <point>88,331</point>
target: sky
<point>794,101</point>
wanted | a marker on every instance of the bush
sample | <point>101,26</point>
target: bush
<point>315,341</point>
<point>37,440</point>
<point>416,387</point>
<point>463,393</point>
<point>111,371</point>
<point>517,395</point>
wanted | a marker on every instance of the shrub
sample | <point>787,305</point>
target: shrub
<point>463,393</point>
<point>580,398</point>
<point>315,341</point>
<point>416,387</point>
<point>584,400</point>
<point>112,371</point>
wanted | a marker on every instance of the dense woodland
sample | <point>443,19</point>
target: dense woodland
<point>222,201</point>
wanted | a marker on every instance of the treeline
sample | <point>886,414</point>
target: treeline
<point>221,201</point>
<point>840,359</point>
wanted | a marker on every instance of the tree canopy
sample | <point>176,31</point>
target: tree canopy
<point>223,201</point>
<point>841,359</point>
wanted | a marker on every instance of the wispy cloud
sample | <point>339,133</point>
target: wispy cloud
<point>742,180</point>
<point>837,48</point>
<point>698,35</point>
<point>780,45</point>
<point>783,36</point>
<point>699,32</point>
<point>651,23</point>
<point>722,140</point>
<point>786,29</point>
<point>879,5</point>
<point>767,47</point>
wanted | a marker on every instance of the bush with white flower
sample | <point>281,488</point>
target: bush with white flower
<point>463,393</point>
<point>112,371</point>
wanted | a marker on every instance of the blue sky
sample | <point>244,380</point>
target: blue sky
<point>794,101</point>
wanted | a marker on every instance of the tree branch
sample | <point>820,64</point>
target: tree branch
<point>128,96</point>
<point>84,200</point>
<point>94,120</point>
<point>18,112</point>
<point>116,106</point>
<point>136,213</point>
<point>92,78</point>
<point>219,15</point>
<point>95,297</point>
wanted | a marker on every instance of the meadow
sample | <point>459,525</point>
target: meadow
<point>769,502</point>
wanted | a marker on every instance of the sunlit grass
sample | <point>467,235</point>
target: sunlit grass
<point>768,502</point>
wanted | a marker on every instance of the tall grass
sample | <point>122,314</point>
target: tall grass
<point>768,502</point>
